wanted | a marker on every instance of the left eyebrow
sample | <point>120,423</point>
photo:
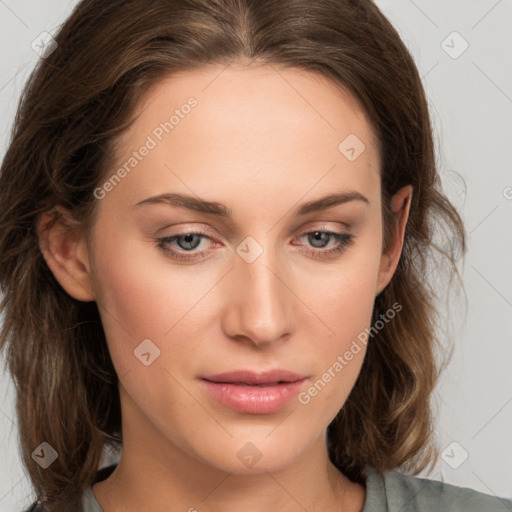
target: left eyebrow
<point>219,209</point>
<point>329,201</point>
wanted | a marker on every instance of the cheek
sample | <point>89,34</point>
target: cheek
<point>344,304</point>
<point>344,297</point>
<point>136,298</point>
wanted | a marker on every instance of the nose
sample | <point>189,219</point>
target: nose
<point>260,301</point>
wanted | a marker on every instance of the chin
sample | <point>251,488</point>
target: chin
<point>253,454</point>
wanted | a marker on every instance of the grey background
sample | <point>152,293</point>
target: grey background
<point>470,97</point>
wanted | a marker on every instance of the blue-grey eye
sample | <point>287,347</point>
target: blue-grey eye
<point>317,237</point>
<point>189,240</point>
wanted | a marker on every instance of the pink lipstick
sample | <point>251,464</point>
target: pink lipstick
<point>250,392</point>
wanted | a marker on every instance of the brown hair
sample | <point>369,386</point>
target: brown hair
<point>75,104</point>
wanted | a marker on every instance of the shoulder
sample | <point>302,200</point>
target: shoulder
<point>415,494</point>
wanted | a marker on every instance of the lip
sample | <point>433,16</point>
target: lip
<point>254,393</point>
<point>254,378</point>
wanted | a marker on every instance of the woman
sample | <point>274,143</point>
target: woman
<point>215,227</point>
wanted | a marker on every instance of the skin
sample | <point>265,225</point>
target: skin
<point>262,141</point>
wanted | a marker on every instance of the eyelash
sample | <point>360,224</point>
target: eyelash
<point>344,240</point>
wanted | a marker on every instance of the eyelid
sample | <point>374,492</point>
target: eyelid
<point>205,229</point>
<point>196,229</point>
<point>323,226</point>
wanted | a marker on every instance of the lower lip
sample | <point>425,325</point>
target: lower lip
<point>253,399</point>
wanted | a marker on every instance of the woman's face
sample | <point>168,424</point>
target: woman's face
<point>257,291</point>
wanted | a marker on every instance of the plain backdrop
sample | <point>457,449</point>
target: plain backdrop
<point>462,49</point>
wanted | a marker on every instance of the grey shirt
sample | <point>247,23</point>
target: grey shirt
<point>394,492</point>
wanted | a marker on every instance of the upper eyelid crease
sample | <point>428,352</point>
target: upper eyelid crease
<point>218,209</point>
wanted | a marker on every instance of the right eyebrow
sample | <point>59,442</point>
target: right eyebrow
<point>189,202</point>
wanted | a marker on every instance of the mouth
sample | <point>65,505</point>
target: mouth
<point>254,385</point>
<point>253,378</point>
<point>250,392</point>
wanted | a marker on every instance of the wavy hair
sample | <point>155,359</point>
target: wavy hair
<point>74,106</point>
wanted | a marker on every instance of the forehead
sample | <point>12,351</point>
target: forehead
<point>255,123</point>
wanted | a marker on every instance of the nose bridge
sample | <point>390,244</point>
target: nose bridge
<point>262,298</point>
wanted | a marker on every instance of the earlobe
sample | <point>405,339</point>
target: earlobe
<point>64,248</point>
<point>400,206</point>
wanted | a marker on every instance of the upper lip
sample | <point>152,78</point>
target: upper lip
<point>251,377</point>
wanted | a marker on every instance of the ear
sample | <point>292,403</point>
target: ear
<point>64,248</point>
<point>400,206</point>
